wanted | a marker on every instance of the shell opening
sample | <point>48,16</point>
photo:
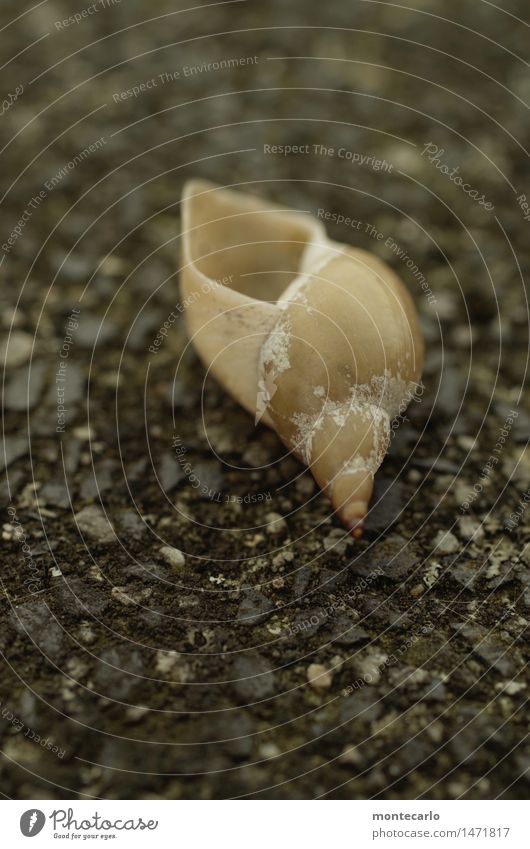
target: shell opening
<point>254,249</point>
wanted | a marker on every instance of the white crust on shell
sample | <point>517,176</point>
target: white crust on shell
<point>380,401</point>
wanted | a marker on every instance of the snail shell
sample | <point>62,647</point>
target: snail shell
<point>317,340</point>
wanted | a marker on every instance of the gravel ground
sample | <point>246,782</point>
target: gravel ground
<point>166,640</point>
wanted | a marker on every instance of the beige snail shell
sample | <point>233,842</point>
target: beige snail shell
<point>318,340</point>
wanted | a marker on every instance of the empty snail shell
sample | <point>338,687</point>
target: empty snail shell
<point>318,340</point>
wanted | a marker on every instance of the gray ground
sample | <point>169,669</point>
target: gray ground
<point>128,673</point>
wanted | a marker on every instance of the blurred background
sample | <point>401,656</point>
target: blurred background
<point>162,639</point>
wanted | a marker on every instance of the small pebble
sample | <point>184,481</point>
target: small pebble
<point>319,677</point>
<point>135,714</point>
<point>15,349</point>
<point>337,541</point>
<point>511,688</point>
<point>468,443</point>
<point>305,486</point>
<point>469,528</point>
<point>93,522</point>
<point>446,543</point>
<point>269,750</point>
<point>435,730</point>
<point>282,558</point>
<point>129,598</point>
<point>173,556</point>
<point>256,455</point>
<point>86,634</point>
<point>350,755</point>
<point>276,524</point>
<point>84,433</point>
<point>371,665</point>
<point>10,532</point>
<point>172,666</point>
<point>113,266</point>
<point>24,389</point>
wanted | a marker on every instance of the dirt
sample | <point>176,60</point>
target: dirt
<point>128,673</point>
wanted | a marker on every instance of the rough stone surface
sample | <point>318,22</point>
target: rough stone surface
<point>190,681</point>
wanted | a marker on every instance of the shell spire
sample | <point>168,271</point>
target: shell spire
<point>318,340</point>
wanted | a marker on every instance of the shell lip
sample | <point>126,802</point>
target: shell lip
<point>316,253</point>
<point>197,186</point>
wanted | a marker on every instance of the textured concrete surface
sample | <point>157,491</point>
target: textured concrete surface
<point>162,639</point>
